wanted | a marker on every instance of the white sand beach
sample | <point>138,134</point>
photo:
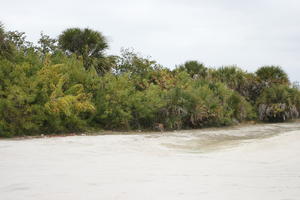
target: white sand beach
<point>240,163</point>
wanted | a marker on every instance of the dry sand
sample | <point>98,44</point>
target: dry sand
<point>241,163</point>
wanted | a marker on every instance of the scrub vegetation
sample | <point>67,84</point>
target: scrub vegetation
<point>69,84</point>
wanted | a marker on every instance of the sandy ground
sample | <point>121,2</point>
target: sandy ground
<point>242,163</point>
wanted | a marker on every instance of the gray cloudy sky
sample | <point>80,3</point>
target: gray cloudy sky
<point>216,32</point>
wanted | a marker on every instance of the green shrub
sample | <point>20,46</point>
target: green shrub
<point>278,103</point>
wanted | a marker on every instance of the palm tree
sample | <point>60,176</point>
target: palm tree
<point>272,75</point>
<point>87,43</point>
<point>194,69</point>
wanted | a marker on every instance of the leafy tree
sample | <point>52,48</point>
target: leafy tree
<point>18,106</point>
<point>18,39</point>
<point>6,49</point>
<point>87,43</point>
<point>272,75</point>
<point>175,111</point>
<point>139,69</point>
<point>246,84</point>
<point>134,64</point>
<point>114,101</point>
<point>47,44</point>
<point>38,97</point>
<point>67,104</point>
<point>233,76</point>
<point>194,69</point>
<point>146,107</point>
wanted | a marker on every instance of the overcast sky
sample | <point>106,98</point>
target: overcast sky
<point>245,33</point>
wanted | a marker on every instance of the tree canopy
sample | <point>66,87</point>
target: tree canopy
<point>69,84</point>
<point>87,43</point>
<point>272,74</point>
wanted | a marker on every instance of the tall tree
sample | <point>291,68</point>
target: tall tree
<point>87,43</point>
<point>194,69</point>
<point>5,47</point>
<point>47,44</point>
<point>18,39</point>
<point>272,75</point>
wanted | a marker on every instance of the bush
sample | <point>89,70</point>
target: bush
<point>278,103</point>
<point>74,86</point>
<point>38,97</point>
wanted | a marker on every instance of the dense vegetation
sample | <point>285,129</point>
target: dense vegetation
<point>69,84</point>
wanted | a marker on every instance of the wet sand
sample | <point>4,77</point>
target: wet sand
<point>239,163</point>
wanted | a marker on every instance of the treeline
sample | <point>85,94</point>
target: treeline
<point>69,84</point>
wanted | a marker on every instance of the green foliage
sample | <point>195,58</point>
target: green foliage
<point>140,69</point>
<point>194,69</point>
<point>6,49</point>
<point>17,102</point>
<point>278,103</point>
<point>121,106</point>
<point>18,39</point>
<point>113,101</point>
<point>246,84</point>
<point>53,88</point>
<point>87,43</point>
<point>241,108</point>
<point>272,75</point>
<point>233,76</point>
<point>37,97</point>
<point>202,103</point>
<point>47,44</point>
<point>1,31</point>
<point>65,100</point>
<point>146,107</point>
